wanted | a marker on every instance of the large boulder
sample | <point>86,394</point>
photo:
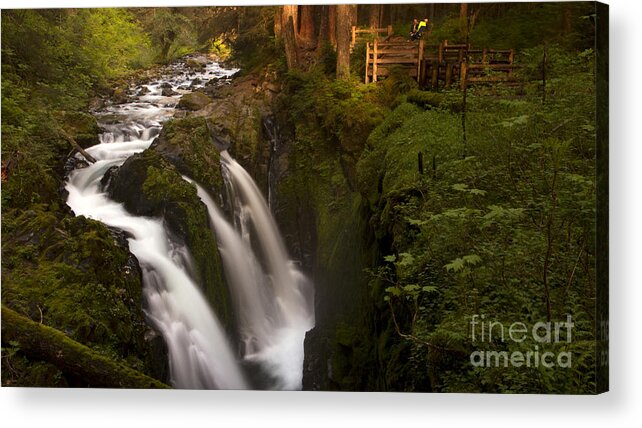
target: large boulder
<point>186,143</point>
<point>149,185</point>
<point>237,113</point>
<point>196,63</point>
<point>168,92</point>
<point>194,101</point>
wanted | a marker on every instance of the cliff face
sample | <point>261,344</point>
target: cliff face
<point>310,184</point>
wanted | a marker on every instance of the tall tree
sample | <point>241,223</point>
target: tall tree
<point>288,24</point>
<point>374,15</point>
<point>332,24</point>
<point>344,16</point>
<point>307,29</point>
<point>463,14</point>
<point>323,36</point>
<point>288,11</point>
<point>354,16</point>
<point>463,10</point>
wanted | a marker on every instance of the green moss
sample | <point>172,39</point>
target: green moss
<point>238,119</point>
<point>186,144</point>
<point>149,185</point>
<point>186,215</point>
<point>40,341</point>
<point>71,274</point>
<point>194,101</point>
<point>83,127</point>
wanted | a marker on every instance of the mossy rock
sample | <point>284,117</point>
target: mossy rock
<point>149,185</point>
<point>77,276</point>
<point>194,101</point>
<point>187,145</point>
<point>425,99</point>
<point>195,64</point>
<point>237,113</point>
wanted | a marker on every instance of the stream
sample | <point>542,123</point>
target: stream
<point>273,300</point>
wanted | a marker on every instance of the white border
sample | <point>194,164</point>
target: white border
<point>621,407</point>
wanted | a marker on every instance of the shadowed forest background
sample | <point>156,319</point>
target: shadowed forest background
<point>410,209</point>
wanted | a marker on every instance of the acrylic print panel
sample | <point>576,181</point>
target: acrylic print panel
<point>319,197</point>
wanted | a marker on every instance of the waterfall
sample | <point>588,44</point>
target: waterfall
<point>274,300</point>
<point>200,355</point>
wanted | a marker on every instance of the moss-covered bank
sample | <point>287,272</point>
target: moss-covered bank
<point>75,275</point>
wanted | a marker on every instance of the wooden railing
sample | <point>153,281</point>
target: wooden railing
<point>381,56</point>
<point>378,33</point>
<point>447,63</point>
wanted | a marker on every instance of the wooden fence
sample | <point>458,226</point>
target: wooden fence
<point>381,56</point>
<point>443,64</point>
<point>359,34</point>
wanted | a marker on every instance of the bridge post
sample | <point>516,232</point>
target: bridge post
<point>420,56</point>
<point>374,61</point>
<point>435,75</point>
<point>449,74</point>
<point>389,30</point>
<point>463,71</point>
<point>367,59</point>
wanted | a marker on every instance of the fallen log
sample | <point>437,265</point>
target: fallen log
<point>76,146</point>
<point>44,343</point>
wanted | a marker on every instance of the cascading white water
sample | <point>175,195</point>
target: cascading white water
<point>275,302</point>
<point>200,355</point>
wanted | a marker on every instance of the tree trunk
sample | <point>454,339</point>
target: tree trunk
<point>278,20</point>
<point>76,146</point>
<point>307,30</point>
<point>332,24</point>
<point>291,49</point>
<point>463,18</point>
<point>323,35</point>
<point>374,15</point>
<point>343,17</point>
<point>44,343</point>
<point>354,16</point>
<point>463,11</point>
<point>287,12</point>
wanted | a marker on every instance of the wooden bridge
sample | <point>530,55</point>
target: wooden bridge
<point>367,34</point>
<point>438,65</point>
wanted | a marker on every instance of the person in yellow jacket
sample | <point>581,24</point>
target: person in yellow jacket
<point>422,27</point>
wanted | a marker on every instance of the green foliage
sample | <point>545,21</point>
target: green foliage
<point>112,42</point>
<point>522,25</point>
<point>171,32</point>
<point>51,62</point>
<point>219,49</point>
<point>70,274</point>
<point>255,44</point>
<point>484,234</point>
<point>345,111</point>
